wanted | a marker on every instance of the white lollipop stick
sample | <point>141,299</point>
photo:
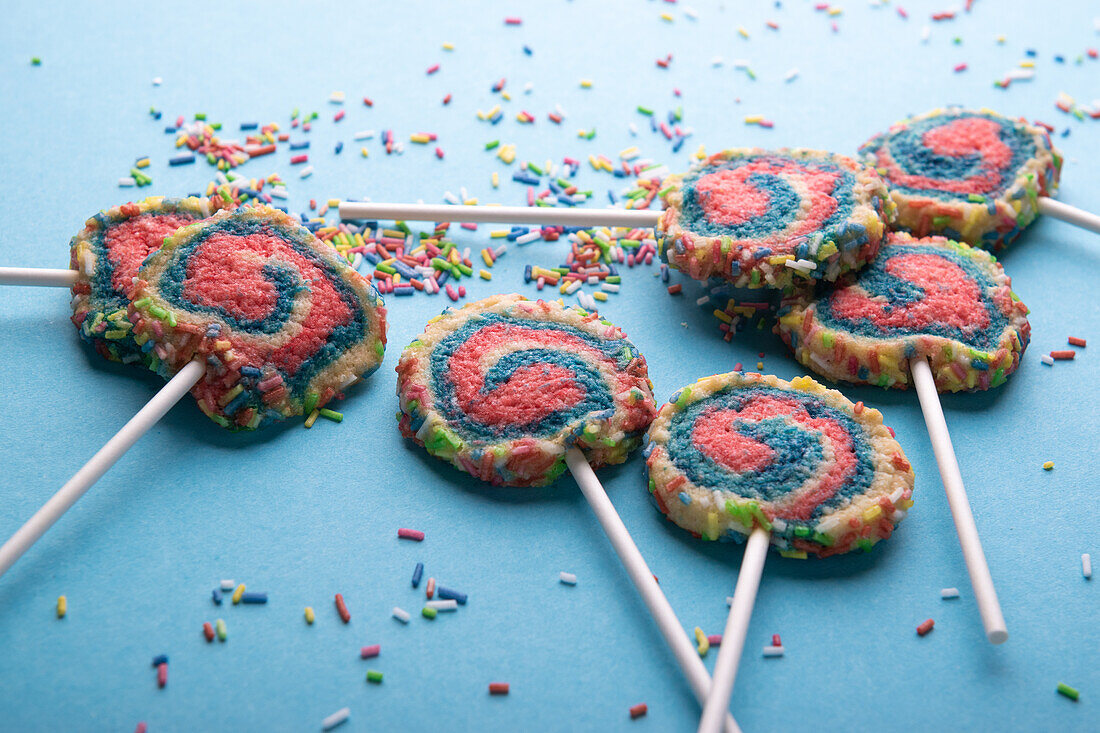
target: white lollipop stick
<point>737,626</point>
<point>980,579</point>
<point>74,488</point>
<point>41,277</point>
<point>636,568</point>
<point>500,214</point>
<point>1069,214</point>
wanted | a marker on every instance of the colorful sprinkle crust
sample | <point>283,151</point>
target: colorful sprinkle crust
<point>502,387</point>
<point>945,301</point>
<point>107,255</point>
<point>772,219</point>
<point>737,451</point>
<point>971,176</point>
<point>283,323</point>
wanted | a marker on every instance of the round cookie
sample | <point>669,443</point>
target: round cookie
<point>771,219</point>
<point>282,322</point>
<point>972,176</point>
<point>107,255</point>
<point>500,388</point>
<point>736,451</point>
<point>948,302</point>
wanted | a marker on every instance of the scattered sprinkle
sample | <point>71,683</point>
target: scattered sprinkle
<point>371,651</point>
<point>638,710</point>
<point>498,688</point>
<point>310,616</point>
<point>949,593</point>
<point>342,608</point>
<point>62,606</point>
<point>336,719</point>
<point>1074,341</point>
<point>411,534</point>
<point>401,615</point>
<point>773,651</point>
<point>1048,466</point>
<point>1066,691</point>
<point>374,677</point>
<point>925,627</point>
<point>567,578</point>
<point>1086,566</point>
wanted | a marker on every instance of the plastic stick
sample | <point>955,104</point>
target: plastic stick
<point>74,488</point>
<point>737,626</point>
<point>41,277</point>
<point>636,568</point>
<point>980,579</point>
<point>500,214</point>
<point>1069,214</point>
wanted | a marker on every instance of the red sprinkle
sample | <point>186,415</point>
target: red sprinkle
<point>675,289</point>
<point>1074,341</point>
<point>208,631</point>
<point>925,627</point>
<point>410,534</point>
<point>141,727</point>
<point>429,589</point>
<point>342,609</point>
<point>162,674</point>
<point>295,160</point>
<point>498,688</point>
<point>1062,354</point>
<point>370,651</point>
<point>368,101</point>
<point>776,641</point>
<point>447,99</point>
<point>638,711</point>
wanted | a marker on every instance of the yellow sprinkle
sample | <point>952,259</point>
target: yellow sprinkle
<point>238,593</point>
<point>793,554</point>
<point>712,525</point>
<point>586,83</point>
<point>593,162</point>
<point>143,163</point>
<point>1027,64</point>
<point>506,96</point>
<point>496,179</point>
<point>448,46</point>
<point>485,274</point>
<point>753,119</point>
<point>666,17</point>
<point>493,111</point>
<point>600,296</point>
<point>759,366</point>
<point>701,153</point>
<point>835,11</point>
<point>309,615</point>
<point>1000,39</point>
<point>722,315</point>
<point>744,33</point>
<point>872,514</point>
<point>420,137</point>
<point>630,153</point>
<point>499,233</point>
<point>312,418</point>
<point>1049,465</point>
<point>62,606</point>
<point>702,642</point>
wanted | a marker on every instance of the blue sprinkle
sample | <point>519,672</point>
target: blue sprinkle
<point>339,147</point>
<point>160,659</point>
<point>418,573</point>
<point>448,594</point>
<point>527,50</point>
<point>216,596</point>
<point>249,125</point>
<point>182,159</point>
<point>684,498</point>
<point>299,145</point>
<point>253,597</point>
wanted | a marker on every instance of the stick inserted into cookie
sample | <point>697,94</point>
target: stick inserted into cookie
<point>514,392</point>
<point>929,312</point>
<point>247,310</point>
<point>752,458</point>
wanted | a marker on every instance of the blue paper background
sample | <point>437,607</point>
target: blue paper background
<point>306,514</point>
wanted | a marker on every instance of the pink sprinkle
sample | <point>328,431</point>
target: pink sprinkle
<point>960,67</point>
<point>339,116</point>
<point>370,651</point>
<point>776,641</point>
<point>162,674</point>
<point>410,534</point>
<point>439,153</point>
<point>513,21</point>
<point>141,727</point>
<point>714,639</point>
<point>902,13</point>
<point>295,160</point>
<point>432,69</point>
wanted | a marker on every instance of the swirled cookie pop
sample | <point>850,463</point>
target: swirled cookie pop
<point>970,175</point>
<point>763,218</point>
<point>502,387</point>
<point>280,321</point>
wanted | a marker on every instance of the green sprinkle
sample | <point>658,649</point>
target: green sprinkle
<point>331,414</point>
<point>1067,691</point>
<point>976,198</point>
<point>142,302</point>
<point>683,397</point>
<point>35,61</point>
<point>802,531</point>
<point>534,168</point>
<point>939,222</point>
<point>374,676</point>
<point>200,116</point>
<point>492,144</point>
<point>428,612</point>
<point>645,111</point>
<point>312,398</point>
<point>219,628</point>
<point>157,312</point>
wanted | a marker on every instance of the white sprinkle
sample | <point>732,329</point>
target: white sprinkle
<point>568,578</point>
<point>703,300</point>
<point>729,600</point>
<point>450,198</point>
<point>127,182</point>
<point>573,287</point>
<point>336,98</point>
<point>278,193</point>
<point>228,584</point>
<point>740,63</point>
<point>559,110</point>
<point>633,129</point>
<point>306,172</point>
<point>336,719</point>
<point>773,651</point>
<point>157,81</point>
<point>528,237</point>
<point>1047,359</point>
<point>791,75</point>
<point>717,61</point>
<point>363,135</point>
<point>925,34</point>
<point>948,593</point>
<point>690,12</point>
<point>609,287</point>
<point>401,615</point>
<point>499,251</point>
<point>528,87</point>
<point>1086,566</point>
<point>445,605</point>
